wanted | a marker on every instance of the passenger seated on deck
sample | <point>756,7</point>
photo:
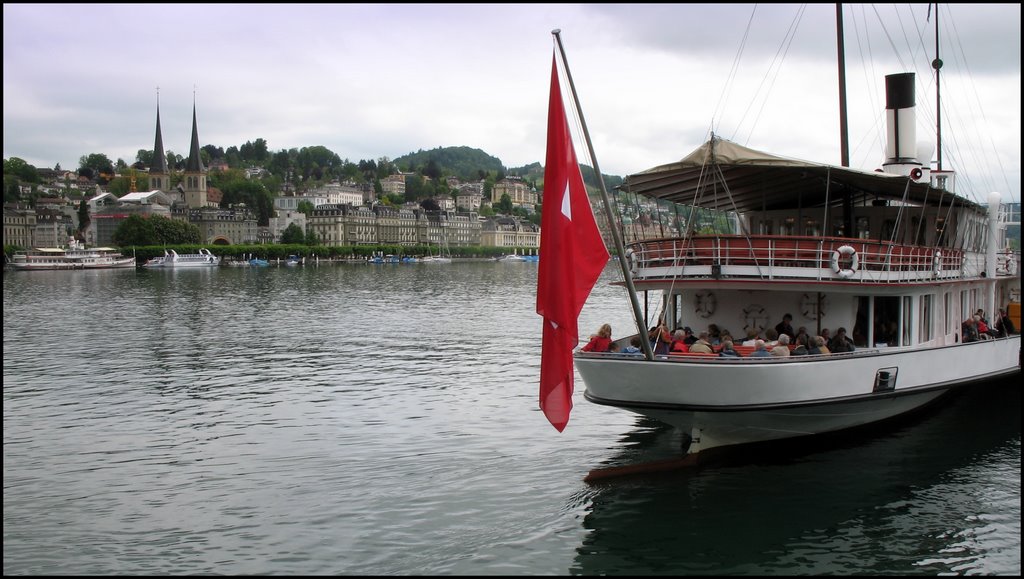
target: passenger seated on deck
<point>1004,325</point>
<point>661,340</point>
<point>728,351</point>
<point>690,338</point>
<point>802,340</point>
<point>969,330</point>
<point>801,331</point>
<point>771,338</point>
<point>714,335</point>
<point>819,346</point>
<point>841,343</point>
<point>752,338</point>
<point>759,350</point>
<point>782,349</point>
<point>679,343</point>
<point>702,346</point>
<point>600,341</point>
<point>824,334</point>
<point>613,348</point>
<point>786,326</point>
<point>633,347</point>
<point>984,332</point>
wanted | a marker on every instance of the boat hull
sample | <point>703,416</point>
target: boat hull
<point>126,263</point>
<point>724,402</point>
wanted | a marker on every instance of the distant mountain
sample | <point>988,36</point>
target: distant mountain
<point>463,162</point>
<point>534,172</point>
<point>470,164</point>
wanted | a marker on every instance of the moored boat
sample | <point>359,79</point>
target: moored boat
<point>896,256</point>
<point>74,256</point>
<point>171,258</point>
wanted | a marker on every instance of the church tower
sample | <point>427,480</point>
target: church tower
<point>194,184</point>
<point>159,176</point>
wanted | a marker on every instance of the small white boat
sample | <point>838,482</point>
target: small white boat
<point>74,256</point>
<point>172,258</point>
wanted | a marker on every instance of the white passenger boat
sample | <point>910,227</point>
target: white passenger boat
<point>171,258</point>
<point>895,256</point>
<point>74,256</point>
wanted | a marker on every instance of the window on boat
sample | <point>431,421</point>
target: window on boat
<point>860,326</point>
<point>863,228</point>
<point>925,331</point>
<point>947,305</point>
<point>888,228</point>
<point>812,227</point>
<point>788,227</point>
<point>940,231</point>
<point>885,328</point>
<point>907,318</point>
<point>917,231</point>
<point>764,227</point>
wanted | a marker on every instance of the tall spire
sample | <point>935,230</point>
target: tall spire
<point>159,164</point>
<point>195,162</point>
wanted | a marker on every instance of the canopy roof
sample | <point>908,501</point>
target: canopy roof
<point>755,181</point>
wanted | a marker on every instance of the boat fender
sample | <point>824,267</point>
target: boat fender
<point>849,253</point>
<point>937,262</point>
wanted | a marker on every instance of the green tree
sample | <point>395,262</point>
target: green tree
<point>17,167</point>
<point>293,234</point>
<point>136,230</point>
<point>306,208</point>
<point>175,231</point>
<point>155,230</point>
<point>12,190</point>
<point>145,157</point>
<point>505,204</point>
<point>311,238</point>
<point>83,217</point>
<point>98,162</point>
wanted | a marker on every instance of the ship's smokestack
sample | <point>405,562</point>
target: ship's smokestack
<point>901,127</point>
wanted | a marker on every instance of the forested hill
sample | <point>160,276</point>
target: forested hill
<point>470,164</point>
<point>466,163</point>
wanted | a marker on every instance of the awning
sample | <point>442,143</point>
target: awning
<point>756,181</point>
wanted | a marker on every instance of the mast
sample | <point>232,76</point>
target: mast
<point>844,132</point>
<point>844,145</point>
<point>616,236</point>
<point>937,64</point>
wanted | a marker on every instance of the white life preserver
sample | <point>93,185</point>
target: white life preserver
<point>705,303</point>
<point>634,265</point>
<point>851,254</point>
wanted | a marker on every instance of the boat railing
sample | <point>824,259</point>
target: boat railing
<point>774,257</point>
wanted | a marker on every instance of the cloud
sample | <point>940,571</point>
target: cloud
<point>375,80</point>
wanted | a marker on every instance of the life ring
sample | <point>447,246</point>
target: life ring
<point>849,253</point>
<point>705,303</point>
<point>754,316</point>
<point>634,265</point>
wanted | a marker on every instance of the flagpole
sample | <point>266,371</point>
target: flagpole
<point>619,247</point>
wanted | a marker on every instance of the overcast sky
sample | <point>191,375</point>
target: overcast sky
<point>380,80</point>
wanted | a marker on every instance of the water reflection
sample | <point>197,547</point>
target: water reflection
<point>886,505</point>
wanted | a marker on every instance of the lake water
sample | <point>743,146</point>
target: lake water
<point>362,419</point>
